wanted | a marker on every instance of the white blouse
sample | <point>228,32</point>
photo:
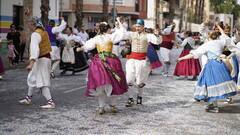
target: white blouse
<point>59,29</point>
<point>115,37</point>
<point>214,46</point>
<point>188,40</point>
<point>70,38</point>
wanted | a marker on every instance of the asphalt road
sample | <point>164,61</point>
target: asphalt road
<point>168,109</point>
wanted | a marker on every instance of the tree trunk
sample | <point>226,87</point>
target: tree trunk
<point>28,8</point>
<point>171,10</point>
<point>105,10</point>
<point>196,12</point>
<point>183,4</point>
<point>199,11</point>
<point>186,15</point>
<point>44,11</point>
<point>191,15</point>
<point>202,12</point>
<point>79,13</point>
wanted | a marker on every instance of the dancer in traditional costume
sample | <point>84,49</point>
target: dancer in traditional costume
<point>214,82</point>
<point>39,64</point>
<point>168,36</point>
<point>105,75</point>
<point>55,53</point>
<point>190,67</point>
<point>72,60</point>
<point>137,67</point>
<point>231,56</point>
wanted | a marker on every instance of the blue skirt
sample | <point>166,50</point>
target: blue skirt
<point>235,60</point>
<point>215,82</point>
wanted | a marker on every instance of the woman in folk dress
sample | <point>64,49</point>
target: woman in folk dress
<point>214,82</point>
<point>105,75</point>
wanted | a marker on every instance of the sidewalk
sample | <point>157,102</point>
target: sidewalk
<point>8,67</point>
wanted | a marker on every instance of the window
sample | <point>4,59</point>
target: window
<point>118,2</point>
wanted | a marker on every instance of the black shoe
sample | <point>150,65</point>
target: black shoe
<point>197,100</point>
<point>211,108</point>
<point>139,100</point>
<point>52,74</point>
<point>229,100</point>
<point>63,73</point>
<point>130,102</point>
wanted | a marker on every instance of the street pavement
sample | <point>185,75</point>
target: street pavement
<point>168,109</point>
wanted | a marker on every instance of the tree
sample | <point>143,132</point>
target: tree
<point>196,11</point>
<point>200,19</point>
<point>27,4</point>
<point>186,15</point>
<point>79,13</point>
<point>171,10</point>
<point>44,11</point>
<point>183,4</point>
<point>225,7</point>
<point>191,19</point>
<point>105,10</point>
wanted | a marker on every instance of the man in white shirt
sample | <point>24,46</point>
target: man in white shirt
<point>39,64</point>
<point>83,34</point>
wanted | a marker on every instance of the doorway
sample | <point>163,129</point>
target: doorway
<point>17,16</point>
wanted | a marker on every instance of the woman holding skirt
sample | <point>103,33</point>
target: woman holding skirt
<point>214,82</point>
<point>105,75</point>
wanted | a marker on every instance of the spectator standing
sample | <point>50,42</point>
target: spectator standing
<point>22,43</point>
<point>15,37</point>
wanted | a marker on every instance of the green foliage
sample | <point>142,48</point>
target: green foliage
<point>225,7</point>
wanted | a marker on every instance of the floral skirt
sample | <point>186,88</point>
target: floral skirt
<point>100,79</point>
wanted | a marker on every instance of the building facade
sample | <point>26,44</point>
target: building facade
<point>129,10</point>
<point>15,12</point>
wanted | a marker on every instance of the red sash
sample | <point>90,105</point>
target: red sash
<point>138,56</point>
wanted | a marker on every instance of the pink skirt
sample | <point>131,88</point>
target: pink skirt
<point>189,67</point>
<point>99,75</point>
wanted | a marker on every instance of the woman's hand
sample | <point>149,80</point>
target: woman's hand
<point>119,22</point>
<point>207,22</point>
<point>179,60</point>
<point>80,49</point>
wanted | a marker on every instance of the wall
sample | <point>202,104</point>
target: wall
<point>151,14</point>
<point>53,13</point>
<point>6,15</point>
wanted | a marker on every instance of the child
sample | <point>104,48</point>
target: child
<point>11,55</point>
<point>1,63</point>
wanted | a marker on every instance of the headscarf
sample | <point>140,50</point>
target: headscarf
<point>34,21</point>
<point>140,22</point>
